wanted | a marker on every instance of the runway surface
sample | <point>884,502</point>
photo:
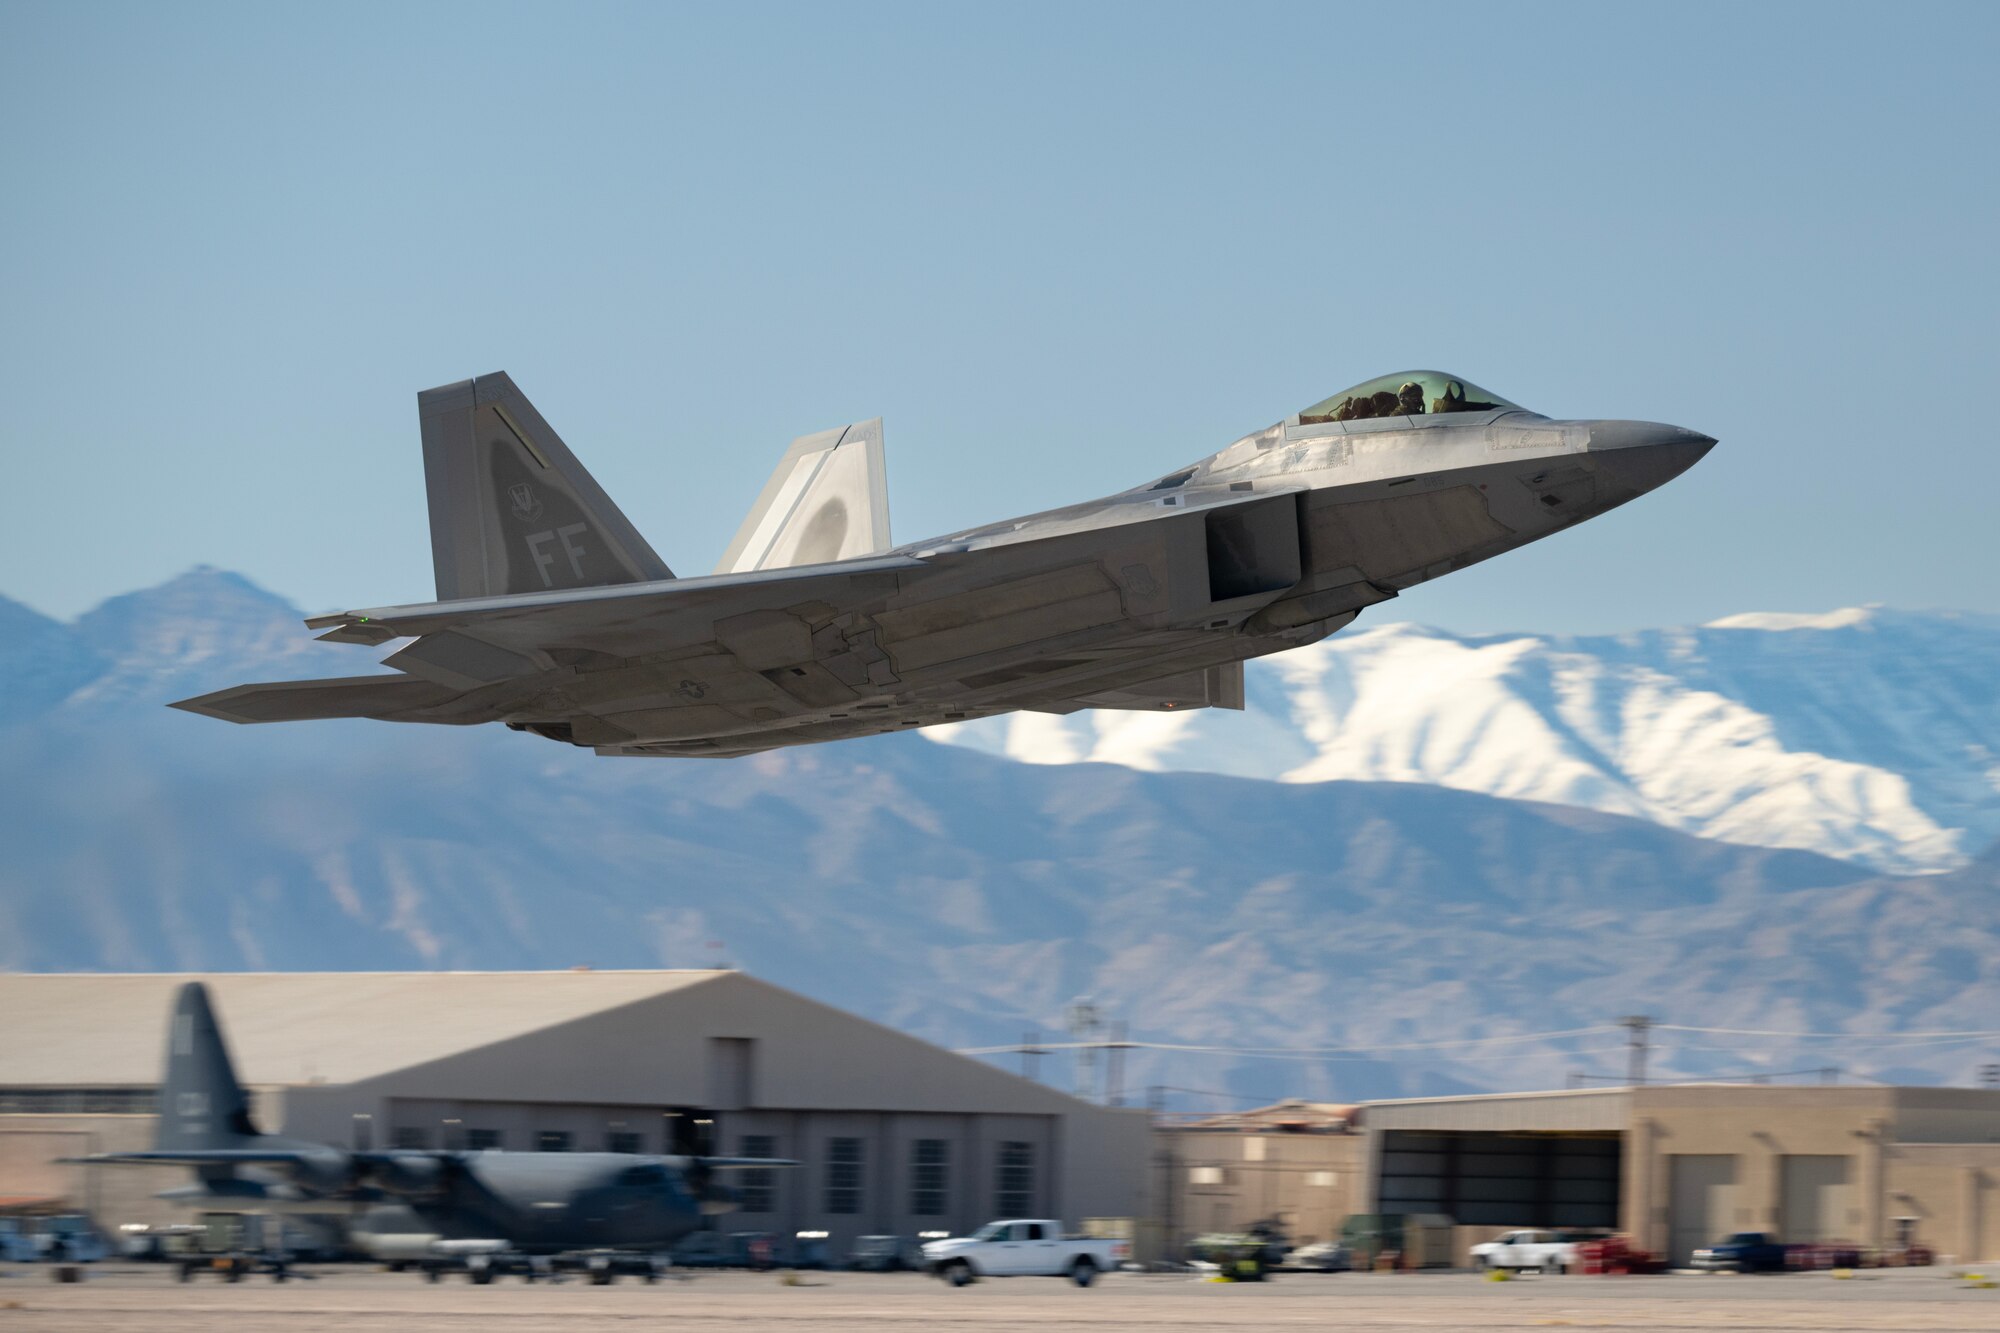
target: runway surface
<point>114,1299</point>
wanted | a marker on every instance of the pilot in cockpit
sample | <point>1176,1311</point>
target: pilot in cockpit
<point>1410,399</point>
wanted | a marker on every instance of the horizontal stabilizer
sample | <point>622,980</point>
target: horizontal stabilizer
<point>827,501</point>
<point>382,697</point>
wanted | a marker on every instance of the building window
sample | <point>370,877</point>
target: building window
<point>621,1140</point>
<point>78,1101</point>
<point>1014,1185</point>
<point>480,1140</point>
<point>930,1162</point>
<point>843,1176</point>
<point>756,1188</point>
<point>411,1136</point>
<point>552,1140</point>
<point>1205,1175</point>
<point>1322,1178</point>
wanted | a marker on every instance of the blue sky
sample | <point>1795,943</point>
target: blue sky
<point>1060,248</point>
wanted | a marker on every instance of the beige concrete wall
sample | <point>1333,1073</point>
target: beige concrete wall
<point>1758,1127</point>
<point>1226,1179</point>
<point>30,1145</point>
<point>1953,1192</point>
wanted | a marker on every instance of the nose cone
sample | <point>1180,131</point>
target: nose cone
<point>1643,455</point>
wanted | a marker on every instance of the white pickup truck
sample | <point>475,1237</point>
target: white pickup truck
<point>1543,1251</point>
<point>1023,1247</point>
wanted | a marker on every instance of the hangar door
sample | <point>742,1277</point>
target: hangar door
<point>1701,1202</point>
<point>1506,1180</point>
<point>1818,1202</point>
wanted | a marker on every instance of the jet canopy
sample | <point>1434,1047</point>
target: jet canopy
<point>1409,393</point>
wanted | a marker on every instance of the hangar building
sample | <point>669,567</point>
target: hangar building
<point>1674,1166</point>
<point>894,1135</point>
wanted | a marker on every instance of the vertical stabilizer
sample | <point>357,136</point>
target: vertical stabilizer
<point>828,500</point>
<point>511,508</point>
<point>201,1103</point>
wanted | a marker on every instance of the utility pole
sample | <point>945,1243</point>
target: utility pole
<point>1083,1026</point>
<point>1114,1065</point>
<point>1156,1102</point>
<point>1637,1025</point>
<point>1031,1050</point>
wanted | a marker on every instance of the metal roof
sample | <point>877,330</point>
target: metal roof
<point>1578,1109</point>
<point>296,1027</point>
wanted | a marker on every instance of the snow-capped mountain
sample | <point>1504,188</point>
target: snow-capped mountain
<point>1865,734</point>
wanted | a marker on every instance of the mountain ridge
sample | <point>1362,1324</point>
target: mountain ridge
<point>1866,734</point>
<point>964,898</point>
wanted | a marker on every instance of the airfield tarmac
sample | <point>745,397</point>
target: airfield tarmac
<point>115,1299</point>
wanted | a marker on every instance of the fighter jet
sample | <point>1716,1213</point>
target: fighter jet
<point>556,618</point>
<point>475,1202</point>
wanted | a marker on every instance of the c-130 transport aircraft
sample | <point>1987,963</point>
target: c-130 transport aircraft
<point>555,617</point>
<point>487,1208</point>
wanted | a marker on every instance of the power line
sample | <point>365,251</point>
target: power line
<point>1311,1058</point>
<point>1903,1043</point>
<point>1211,1092</point>
<point>1819,1036</point>
<point>1638,1029</point>
<point>1512,1038</point>
<point>1826,1073</point>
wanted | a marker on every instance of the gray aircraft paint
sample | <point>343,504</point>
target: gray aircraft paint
<point>511,508</point>
<point>1152,598</point>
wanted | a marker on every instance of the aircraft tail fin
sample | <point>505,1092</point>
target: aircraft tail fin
<point>202,1106</point>
<point>828,500</point>
<point>511,508</point>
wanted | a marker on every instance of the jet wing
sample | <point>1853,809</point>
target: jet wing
<point>464,645</point>
<point>629,615</point>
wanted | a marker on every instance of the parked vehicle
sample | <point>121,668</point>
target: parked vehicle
<point>885,1254</point>
<point>1259,1244</point>
<point>700,1249</point>
<point>1744,1252</point>
<point>157,1243</point>
<point>1516,1251</point>
<point>1023,1247</point>
<point>1326,1256</point>
<point>65,1238</point>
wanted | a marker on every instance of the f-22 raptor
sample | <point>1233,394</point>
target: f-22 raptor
<point>555,617</point>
